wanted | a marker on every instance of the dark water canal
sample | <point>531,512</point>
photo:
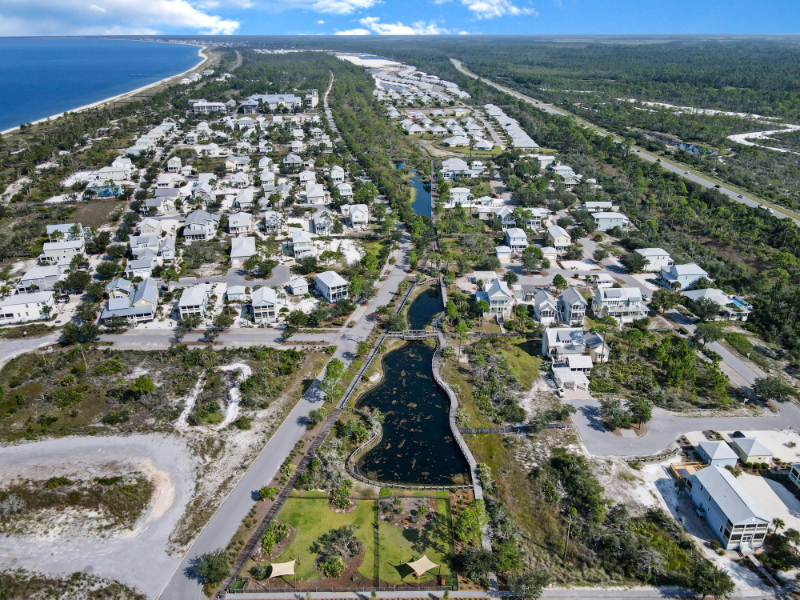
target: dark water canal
<point>417,447</point>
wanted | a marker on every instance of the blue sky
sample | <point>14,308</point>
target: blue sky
<point>391,17</point>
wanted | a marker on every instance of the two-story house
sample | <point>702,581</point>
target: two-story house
<point>264,305</point>
<point>516,240</point>
<point>240,222</point>
<point>623,304</point>
<point>199,225</point>
<point>544,307</point>
<point>460,195</point>
<point>657,259</point>
<point>302,244</point>
<point>681,277</point>
<point>497,295</point>
<point>332,286</point>
<point>558,238</point>
<point>571,307</point>
<point>273,221</point>
<point>40,279</point>
<point>194,300</point>
<point>137,307</point>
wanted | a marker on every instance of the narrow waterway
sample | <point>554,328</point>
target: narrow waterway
<point>422,199</point>
<point>417,447</point>
<point>424,307</point>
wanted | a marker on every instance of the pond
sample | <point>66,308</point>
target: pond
<point>417,447</point>
<point>426,306</point>
<point>422,200</point>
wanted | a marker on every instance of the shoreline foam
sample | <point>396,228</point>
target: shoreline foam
<point>200,53</point>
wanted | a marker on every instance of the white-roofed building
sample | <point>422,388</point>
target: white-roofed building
<point>610,220</point>
<point>194,300</point>
<point>40,279</point>
<point>332,286</point>
<point>516,239</point>
<point>718,454</point>
<point>302,244</point>
<point>240,222</point>
<point>559,238</point>
<point>298,286</point>
<point>242,248</point>
<point>731,307</point>
<point>558,342</point>
<point>544,307</point>
<point>623,304</point>
<point>571,307</point>
<point>681,277</point>
<point>657,259</point>
<point>752,450</point>
<point>460,195</point>
<point>497,295</point>
<point>21,308</point>
<point>264,305</point>
<point>730,512</point>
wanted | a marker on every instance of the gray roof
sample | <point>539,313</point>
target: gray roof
<point>331,279</point>
<point>41,272</point>
<point>264,296</point>
<point>555,231</point>
<point>734,502</point>
<point>201,217</point>
<point>243,246</point>
<point>717,450</point>
<point>572,296</point>
<point>166,193</point>
<point>119,284</point>
<point>753,447</point>
<point>147,290</point>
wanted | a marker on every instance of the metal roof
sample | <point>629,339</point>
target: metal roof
<point>734,502</point>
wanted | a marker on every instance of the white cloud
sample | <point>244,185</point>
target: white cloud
<point>320,22</point>
<point>417,28</point>
<point>354,32</point>
<point>116,17</point>
<point>489,9</point>
<point>336,7</point>
<point>463,33</point>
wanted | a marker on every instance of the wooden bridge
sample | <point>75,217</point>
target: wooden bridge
<point>412,334</point>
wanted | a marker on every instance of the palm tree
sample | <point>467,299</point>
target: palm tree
<point>779,524</point>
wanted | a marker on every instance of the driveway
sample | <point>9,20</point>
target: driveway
<point>184,585</point>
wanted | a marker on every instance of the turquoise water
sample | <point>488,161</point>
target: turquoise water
<point>43,77</point>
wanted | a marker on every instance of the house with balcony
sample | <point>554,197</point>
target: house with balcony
<point>571,307</point>
<point>681,277</point>
<point>460,195</point>
<point>138,306</point>
<point>199,225</point>
<point>332,286</point>
<point>610,220</point>
<point>194,300</point>
<point>516,240</point>
<point>322,223</point>
<point>40,279</point>
<point>61,253</point>
<point>730,512</point>
<point>21,308</point>
<point>657,259</point>
<point>359,215</point>
<point>337,175</point>
<point>302,244</point>
<point>264,305</point>
<point>624,304</point>
<point>559,342</point>
<point>497,295</point>
<point>506,217</point>
<point>240,222</point>
<point>273,221</point>
<point>545,309</point>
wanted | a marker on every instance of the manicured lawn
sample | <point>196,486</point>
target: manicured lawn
<point>399,546</point>
<point>311,518</point>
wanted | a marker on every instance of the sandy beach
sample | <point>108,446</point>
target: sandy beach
<point>200,53</point>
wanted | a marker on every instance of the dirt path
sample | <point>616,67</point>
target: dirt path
<point>136,557</point>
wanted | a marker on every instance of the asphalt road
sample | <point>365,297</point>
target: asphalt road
<point>682,170</point>
<point>184,585</point>
<point>12,348</point>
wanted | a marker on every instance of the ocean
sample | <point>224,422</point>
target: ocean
<point>44,77</point>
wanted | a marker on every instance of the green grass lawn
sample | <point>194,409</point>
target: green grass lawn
<point>524,361</point>
<point>311,518</point>
<point>399,546</point>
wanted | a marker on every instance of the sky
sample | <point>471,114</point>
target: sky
<point>393,17</point>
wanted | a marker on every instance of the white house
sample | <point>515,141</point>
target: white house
<point>194,300</point>
<point>61,252</point>
<point>298,286</point>
<point>516,240</point>
<point>503,253</point>
<point>137,307</point>
<point>240,222</point>
<point>623,304</point>
<point>332,286</point>
<point>236,293</point>
<point>307,177</point>
<point>40,279</point>
<point>657,259</point>
<point>264,305</point>
<point>460,195</point>
<point>731,307</point>
<point>732,514</point>
<point>497,295</point>
<point>242,248</point>
<point>609,220</point>
<point>681,277</point>
<point>302,245</point>
<point>337,175</point>
<point>345,190</point>
<point>359,215</point>
<point>719,454</point>
<point>544,307</point>
<point>21,308</point>
<point>559,238</point>
<point>174,165</point>
<point>559,342</point>
<point>571,307</point>
<point>199,225</point>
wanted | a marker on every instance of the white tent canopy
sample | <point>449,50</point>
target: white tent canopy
<point>422,566</point>
<point>281,569</point>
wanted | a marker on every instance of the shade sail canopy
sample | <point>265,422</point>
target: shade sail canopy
<point>281,569</point>
<point>422,566</point>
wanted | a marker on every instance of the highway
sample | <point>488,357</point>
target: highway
<point>677,168</point>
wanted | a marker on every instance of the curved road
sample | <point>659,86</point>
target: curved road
<point>682,170</point>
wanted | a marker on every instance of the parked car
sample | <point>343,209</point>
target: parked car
<point>717,186</point>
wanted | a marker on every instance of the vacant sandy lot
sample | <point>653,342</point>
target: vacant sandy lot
<point>137,557</point>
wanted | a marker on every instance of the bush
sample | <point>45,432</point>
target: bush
<point>267,493</point>
<point>332,567</point>
<point>715,545</point>
<point>212,567</point>
<point>259,571</point>
<point>275,534</point>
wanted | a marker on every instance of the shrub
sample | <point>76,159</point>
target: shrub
<point>259,571</point>
<point>212,566</point>
<point>275,534</point>
<point>267,493</point>
<point>109,367</point>
<point>243,422</point>
<point>332,567</point>
<point>12,505</point>
<point>116,417</point>
<point>715,545</point>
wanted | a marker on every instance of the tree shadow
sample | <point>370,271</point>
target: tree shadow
<point>191,572</point>
<point>592,414</point>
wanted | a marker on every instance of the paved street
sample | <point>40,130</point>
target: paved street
<point>12,348</point>
<point>184,585</point>
<point>682,170</point>
<point>236,276</point>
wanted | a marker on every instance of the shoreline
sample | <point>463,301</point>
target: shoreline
<point>203,59</point>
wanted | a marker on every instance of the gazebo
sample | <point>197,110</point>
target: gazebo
<point>282,569</point>
<point>423,565</point>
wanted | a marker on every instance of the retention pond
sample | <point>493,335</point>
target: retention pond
<point>417,447</point>
<point>422,198</point>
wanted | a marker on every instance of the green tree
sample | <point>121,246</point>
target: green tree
<point>600,254</point>
<point>212,567</point>
<point>664,299</point>
<point>470,523</point>
<point>559,282</point>
<point>708,332</point>
<point>462,329</point>
<point>510,277</point>
<point>634,262</point>
<point>676,357</point>
<point>640,410</point>
<point>705,308</point>
<point>528,585</point>
<point>773,389</point>
<point>141,386</point>
<point>707,580</point>
<point>333,375</point>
